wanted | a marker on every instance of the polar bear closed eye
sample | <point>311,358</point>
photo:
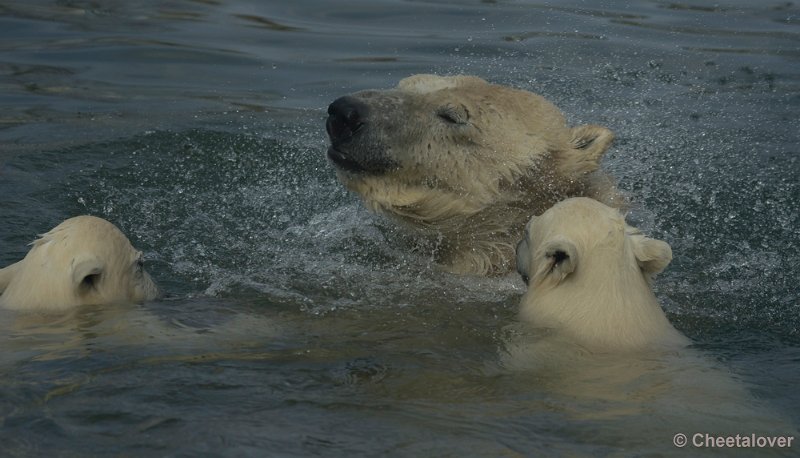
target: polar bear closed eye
<point>464,163</point>
<point>83,261</point>
<point>589,275</point>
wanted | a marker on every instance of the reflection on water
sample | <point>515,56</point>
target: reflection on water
<point>298,323</point>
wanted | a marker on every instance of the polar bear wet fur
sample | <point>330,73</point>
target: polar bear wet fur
<point>589,278</point>
<point>464,162</point>
<point>84,260</point>
<point>592,331</point>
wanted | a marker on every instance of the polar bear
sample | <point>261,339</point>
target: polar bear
<point>464,162</point>
<point>84,260</point>
<point>589,275</point>
<point>594,336</point>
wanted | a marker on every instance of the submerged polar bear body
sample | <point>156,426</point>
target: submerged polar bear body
<point>464,162</point>
<point>589,276</point>
<point>83,261</point>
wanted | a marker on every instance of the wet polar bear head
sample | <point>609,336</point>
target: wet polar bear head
<point>589,275</point>
<point>464,162</point>
<point>83,261</point>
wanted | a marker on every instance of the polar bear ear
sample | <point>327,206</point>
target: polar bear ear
<point>86,274</point>
<point>554,261</point>
<point>590,142</point>
<point>652,255</point>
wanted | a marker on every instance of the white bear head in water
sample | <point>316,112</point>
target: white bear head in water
<point>464,162</point>
<point>589,278</point>
<point>84,260</point>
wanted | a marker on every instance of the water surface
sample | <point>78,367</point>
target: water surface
<point>296,322</point>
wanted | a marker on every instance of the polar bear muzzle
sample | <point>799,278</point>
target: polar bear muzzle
<point>352,148</point>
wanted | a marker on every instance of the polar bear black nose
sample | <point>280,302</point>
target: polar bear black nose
<point>346,116</point>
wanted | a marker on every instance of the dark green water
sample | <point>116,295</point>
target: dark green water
<point>296,322</point>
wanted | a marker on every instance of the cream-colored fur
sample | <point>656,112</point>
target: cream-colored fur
<point>589,279</point>
<point>84,260</point>
<point>472,162</point>
<point>593,334</point>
